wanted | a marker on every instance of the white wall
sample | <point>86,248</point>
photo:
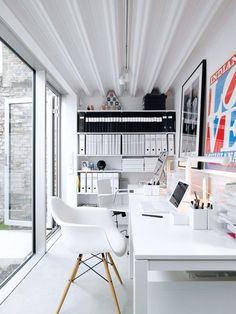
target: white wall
<point>216,46</point>
<point>127,102</point>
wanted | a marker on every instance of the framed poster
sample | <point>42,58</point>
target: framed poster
<point>221,116</point>
<point>192,114</point>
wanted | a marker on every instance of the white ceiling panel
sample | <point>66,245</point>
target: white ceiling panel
<point>90,44</point>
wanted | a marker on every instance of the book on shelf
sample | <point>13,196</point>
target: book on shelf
<point>126,121</point>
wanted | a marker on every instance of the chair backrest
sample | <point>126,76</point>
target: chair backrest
<point>104,186</point>
<point>60,211</point>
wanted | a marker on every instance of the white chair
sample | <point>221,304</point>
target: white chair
<point>89,230</point>
<point>115,201</point>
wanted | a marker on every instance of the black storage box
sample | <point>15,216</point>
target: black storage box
<point>154,102</point>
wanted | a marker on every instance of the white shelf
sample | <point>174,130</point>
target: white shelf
<point>123,133</point>
<point>85,193</point>
<point>140,110</point>
<point>111,171</point>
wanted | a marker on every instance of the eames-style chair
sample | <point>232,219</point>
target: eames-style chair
<point>89,230</point>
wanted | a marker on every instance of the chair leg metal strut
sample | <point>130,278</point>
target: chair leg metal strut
<point>107,260</point>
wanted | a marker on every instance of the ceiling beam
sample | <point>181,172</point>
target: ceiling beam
<point>204,20</point>
<point>112,42</point>
<point>59,42</point>
<point>175,13</point>
<point>79,24</point>
<point>17,28</point>
<point>140,15</point>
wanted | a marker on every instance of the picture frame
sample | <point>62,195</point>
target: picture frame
<point>191,141</point>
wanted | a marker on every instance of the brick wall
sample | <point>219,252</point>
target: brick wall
<point>15,83</point>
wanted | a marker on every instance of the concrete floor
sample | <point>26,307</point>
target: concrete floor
<point>40,291</point>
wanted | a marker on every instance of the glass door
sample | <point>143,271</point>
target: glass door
<point>16,162</point>
<point>52,152</point>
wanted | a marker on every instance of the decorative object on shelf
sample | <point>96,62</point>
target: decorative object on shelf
<point>221,115</point>
<point>192,114</point>
<point>112,102</point>
<point>90,107</point>
<point>101,165</point>
<point>84,165</point>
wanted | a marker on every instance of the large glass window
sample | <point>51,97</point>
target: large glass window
<point>16,162</point>
<point>52,152</point>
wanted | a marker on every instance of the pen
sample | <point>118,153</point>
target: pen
<point>148,215</point>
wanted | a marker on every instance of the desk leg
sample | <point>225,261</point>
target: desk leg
<point>140,286</point>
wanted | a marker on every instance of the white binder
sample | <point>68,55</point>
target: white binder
<point>95,182</point>
<point>89,183</point>
<point>147,144</point>
<point>171,146</point>
<point>82,144</point>
<point>142,144</point>
<point>164,142</point>
<point>153,144</point>
<point>83,182</point>
<point>158,144</point>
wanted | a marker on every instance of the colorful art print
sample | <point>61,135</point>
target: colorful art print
<point>221,116</point>
<point>192,114</point>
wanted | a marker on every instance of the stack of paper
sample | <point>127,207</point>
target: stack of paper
<point>132,164</point>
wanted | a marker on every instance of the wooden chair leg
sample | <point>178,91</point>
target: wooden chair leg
<point>114,267</point>
<point>72,277</point>
<point>111,284</point>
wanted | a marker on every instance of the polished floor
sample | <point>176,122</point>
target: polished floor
<point>40,291</point>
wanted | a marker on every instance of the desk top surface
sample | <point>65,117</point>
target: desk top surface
<point>157,238</point>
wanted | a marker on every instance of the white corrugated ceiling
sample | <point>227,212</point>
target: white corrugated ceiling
<point>85,40</point>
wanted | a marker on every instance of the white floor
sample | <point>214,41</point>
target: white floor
<point>40,291</point>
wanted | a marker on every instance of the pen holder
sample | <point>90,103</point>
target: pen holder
<point>198,218</point>
<point>147,189</point>
<point>155,189</point>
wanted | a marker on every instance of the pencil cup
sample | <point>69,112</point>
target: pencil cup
<point>198,218</point>
<point>155,189</point>
<point>147,189</point>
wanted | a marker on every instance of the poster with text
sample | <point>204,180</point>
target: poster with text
<point>221,116</point>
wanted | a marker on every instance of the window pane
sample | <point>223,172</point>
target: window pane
<point>16,161</point>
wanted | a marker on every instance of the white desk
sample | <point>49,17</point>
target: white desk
<point>157,245</point>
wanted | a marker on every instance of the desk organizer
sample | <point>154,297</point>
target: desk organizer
<point>198,218</point>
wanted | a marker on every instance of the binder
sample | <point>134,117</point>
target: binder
<point>147,144</point>
<point>164,122</point>
<point>95,182</point>
<point>164,142</point>
<point>81,122</point>
<point>87,143</point>
<point>153,144</point>
<point>142,144</point>
<point>82,144</point>
<point>171,121</point>
<point>158,144</point>
<point>171,146</point>
<point>83,183</point>
<point>89,183</point>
